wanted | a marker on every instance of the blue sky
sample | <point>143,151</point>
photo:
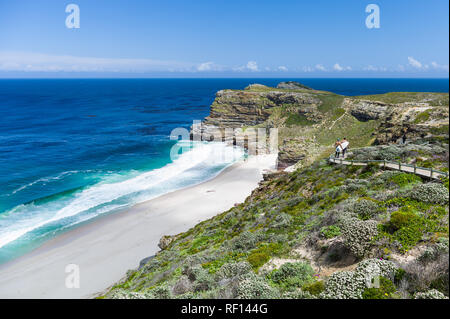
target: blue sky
<point>215,38</point>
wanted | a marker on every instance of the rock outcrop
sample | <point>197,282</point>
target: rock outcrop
<point>292,85</point>
<point>309,121</point>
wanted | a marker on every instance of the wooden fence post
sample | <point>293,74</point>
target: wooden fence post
<point>431,172</point>
<point>384,163</point>
<point>415,168</point>
<point>399,166</point>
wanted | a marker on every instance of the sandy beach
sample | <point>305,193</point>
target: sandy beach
<point>109,246</point>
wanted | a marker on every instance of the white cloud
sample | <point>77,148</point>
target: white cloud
<point>39,62</point>
<point>320,67</point>
<point>339,68</point>
<point>252,66</point>
<point>437,66</point>
<point>370,68</point>
<point>282,68</point>
<point>205,66</point>
<point>209,66</point>
<point>414,63</point>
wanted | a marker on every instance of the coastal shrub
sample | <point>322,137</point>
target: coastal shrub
<point>315,288</point>
<point>402,218</point>
<point>201,278</point>
<point>125,294</point>
<point>445,181</point>
<point>291,275</point>
<point>282,220</point>
<point>234,269</point>
<point>254,287</point>
<point>358,235</point>
<point>430,193</point>
<point>368,170</point>
<point>430,294</point>
<point>297,294</point>
<point>425,274</point>
<point>356,185</point>
<point>384,291</point>
<point>366,208</point>
<point>344,285</point>
<point>408,236</point>
<point>399,275</point>
<point>351,284</point>
<point>422,117</point>
<point>161,292</point>
<point>330,231</point>
<point>257,259</point>
<point>182,286</point>
<point>264,252</point>
<point>246,241</point>
<point>376,267</point>
<point>434,252</point>
<point>403,179</point>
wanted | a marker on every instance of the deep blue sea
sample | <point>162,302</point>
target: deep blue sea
<point>73,150</point>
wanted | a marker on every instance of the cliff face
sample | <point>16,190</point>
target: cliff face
<point>249,108</point>
<point>309,121</point>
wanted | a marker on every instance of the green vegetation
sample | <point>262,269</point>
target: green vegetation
<point>320,201</point>
<point>422,117</point>
<point>436,99</point>
<point>330,102</point>
<point>385,290</point>
<point>365,220</point>
<point>330,231</point>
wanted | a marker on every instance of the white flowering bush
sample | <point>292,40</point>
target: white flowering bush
<point>298,294</point>
<point>366,208</point>
<point>430,294</point>
<point>344,285</point>
<point>358,235</point>
<point>161,292</point>
<point>233,269</point>
<point>254,287</point>
<point>351,284</point>
<point>433,193</point>
<point>125,294</point>
<point>377,267</point>
<point>246,241</point>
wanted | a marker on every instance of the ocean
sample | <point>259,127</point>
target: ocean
<point>72,150</point>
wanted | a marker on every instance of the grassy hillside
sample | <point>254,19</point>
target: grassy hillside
<point>318,232</point>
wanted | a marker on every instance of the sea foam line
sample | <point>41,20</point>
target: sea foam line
<point>202,154</point>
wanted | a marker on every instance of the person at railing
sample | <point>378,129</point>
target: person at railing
<point>344,146</point>
<point>338,148</point>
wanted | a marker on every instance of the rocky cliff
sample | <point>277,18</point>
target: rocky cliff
<point>309,121</point>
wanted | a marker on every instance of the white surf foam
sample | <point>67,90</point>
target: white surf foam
<point>27,218</point>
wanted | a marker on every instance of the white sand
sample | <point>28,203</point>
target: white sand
<point>109,246</point>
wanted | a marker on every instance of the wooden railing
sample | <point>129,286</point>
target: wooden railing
<point>422,171</point>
